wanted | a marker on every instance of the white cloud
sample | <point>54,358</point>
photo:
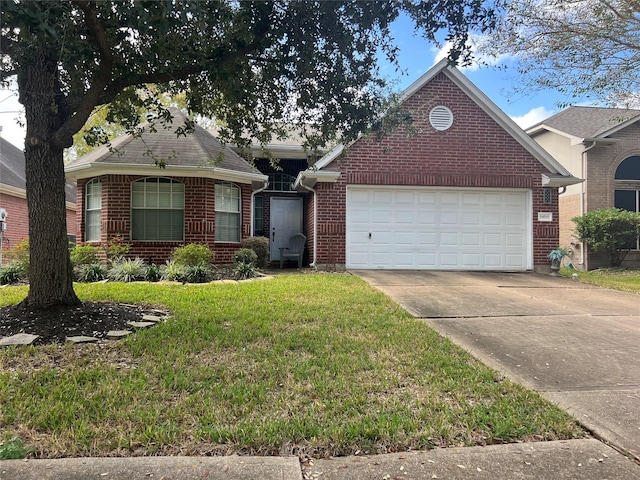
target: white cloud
<point>480,57</point>
<point>9,108</point>
<point>533,116</point>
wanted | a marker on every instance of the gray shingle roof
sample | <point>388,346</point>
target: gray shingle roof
<point>197,149</point>
<point>12,171</point>
<point>588,122</point>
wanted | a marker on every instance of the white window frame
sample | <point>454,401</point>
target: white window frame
<point>93,210</point>
<point>175,205</point>
<point>225,210</point>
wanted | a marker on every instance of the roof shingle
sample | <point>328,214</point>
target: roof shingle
<point>588,122</point>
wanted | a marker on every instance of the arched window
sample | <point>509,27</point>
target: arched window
<point>627,187</point>
<point>157,209</point>
<point>93,210</point>
<point>227,212</point>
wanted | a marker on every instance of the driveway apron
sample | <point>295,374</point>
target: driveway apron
<point>577,345</point>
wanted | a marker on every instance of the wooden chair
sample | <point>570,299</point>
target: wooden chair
<point>295,250</point>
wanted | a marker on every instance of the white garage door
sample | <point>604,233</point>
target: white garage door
<point>438,228</point>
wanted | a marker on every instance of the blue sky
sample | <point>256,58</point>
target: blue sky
<point>416,57</point>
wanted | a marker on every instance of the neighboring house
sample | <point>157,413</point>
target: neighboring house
<point>468,190</point>
<point>203,194</point>
<point>601,146</point>
<point>13,196</point>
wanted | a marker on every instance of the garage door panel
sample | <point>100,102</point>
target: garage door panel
<point>438,228</point>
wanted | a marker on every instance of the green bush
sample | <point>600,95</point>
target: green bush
<point>192,254</point>
<point>84,255</point>
<point>200,273</point>
<point>173,271</point>
<point>152,273</point>
<point>611,230</point>
<point>117,248</point>
<point>260,245</point>
<point>245,255</point>
<point>12,273</point>
<point>244,270</point>
<point>89,272</point>
<point>19,255</point>
<point>126,270</point>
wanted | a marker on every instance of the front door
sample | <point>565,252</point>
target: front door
<point>286,220</point>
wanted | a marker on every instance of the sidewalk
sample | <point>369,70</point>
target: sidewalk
<point>569,460</point>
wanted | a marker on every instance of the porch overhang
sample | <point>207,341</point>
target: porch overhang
<point>309,178</point>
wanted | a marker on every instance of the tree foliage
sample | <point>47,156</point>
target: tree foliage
<point>611,230</point>
<point>255,66</point>
<point>581,48</point>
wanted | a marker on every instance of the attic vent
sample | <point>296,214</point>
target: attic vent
<point>441,118</point>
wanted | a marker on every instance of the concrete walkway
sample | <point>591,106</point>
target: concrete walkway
<point>577,345</point>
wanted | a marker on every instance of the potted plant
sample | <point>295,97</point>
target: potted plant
<point>556,255</point>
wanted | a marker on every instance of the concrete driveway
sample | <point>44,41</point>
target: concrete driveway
<point>577,345</point>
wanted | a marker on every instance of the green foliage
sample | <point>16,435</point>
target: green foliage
<point>260,245</point>
<point>89,272</point>
<point>152,273</point>
<point>117,248</point>
<point>192,254</point>
<point>173,271</point>
<point>611,230</point>
<point>126,270</point>
<point>14,449</point>
<point>245,255</point>
<point>19,254</point>
<point>557,254</point>
<point>244,270</point>
<point>12,273</point>
<point>199,273</point>
<point>84,255</point>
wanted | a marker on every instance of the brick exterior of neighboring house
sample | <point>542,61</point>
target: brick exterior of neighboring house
<point>480,150</point>
<point>13,197</point>
<point>591,142</point>
<point>197,163</point>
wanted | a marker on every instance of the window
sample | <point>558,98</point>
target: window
<point>227,213</point>
<point>627,191</point>
<point>280,182</point>
<point>258,216</point>
<point>157,209</point>
<point>93,210</point>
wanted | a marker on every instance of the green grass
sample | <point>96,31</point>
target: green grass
<point>615,278</point>
<point>317,364</point>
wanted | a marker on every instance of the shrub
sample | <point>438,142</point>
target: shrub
<point>12,273</point>
<point>152,273</point>
<point>89,272</point>
<point>126,270</point>
<point>260,245</point>
<point>199,273</point>
<point>14,449</point>
<point>19,255</point>
<point>84,255</point>
<point>173,271</point>
<point>244,270</point>
<point>245,255</point>
<point>192,254</point>
<point>611,230</point>
<point>117,248</point>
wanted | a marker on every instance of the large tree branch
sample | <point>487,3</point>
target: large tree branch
<point>64,135</point>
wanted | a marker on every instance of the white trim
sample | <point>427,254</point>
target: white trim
<point>315,176</point>
<point>97,169</point>
<point>334,153</point>
<point>20,193</point>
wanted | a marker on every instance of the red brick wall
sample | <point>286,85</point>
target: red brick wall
<point>199,217</point>
<point>474,152</point>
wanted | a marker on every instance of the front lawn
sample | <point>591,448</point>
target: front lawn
<point>313,364</point>
<point>616,278</point>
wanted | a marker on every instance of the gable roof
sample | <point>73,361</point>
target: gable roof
<point>196,154</point>
<point>12,173</point>
<point>583,123</point>
<point>558,176</point>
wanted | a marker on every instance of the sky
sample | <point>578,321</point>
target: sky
<point>416,57</point>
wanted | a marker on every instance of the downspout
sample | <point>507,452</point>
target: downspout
<point>583,170</point>
<point>253,200</point>
<point>315,222</point>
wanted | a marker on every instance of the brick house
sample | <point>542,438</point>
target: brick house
<point>467,190</point>
<point>602,146</point>
<point>13,196</point>
<point>202,194</point>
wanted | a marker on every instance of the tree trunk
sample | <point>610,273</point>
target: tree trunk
<point>50,271</point>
